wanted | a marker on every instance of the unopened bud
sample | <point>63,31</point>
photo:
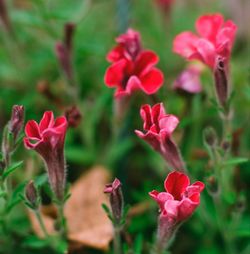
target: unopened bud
<point>64,59</point>
<point>31,195</point>
<point>69,29</point>
<point>16,121</point>
<point>116,199</point>
<point>73,116</point>
<point>221,81</point>
<point>210,137</point>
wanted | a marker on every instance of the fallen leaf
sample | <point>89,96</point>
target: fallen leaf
<point>88,224</point>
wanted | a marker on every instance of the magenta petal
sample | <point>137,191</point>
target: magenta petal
<point>186,208</point>
<point>133,84</point>
<point>176,184</point>
<point>145,113</point>
<point>115,73</point>
<point>152,81</point>
<point>168,123</point>
<point>47,121</point>
<point>115,54</point>
<point>171,208</point>
<point>184,44</point>
<point>32,129</point>
<point>146,60</point>
<point>207,50</point>
<point>209,25</point>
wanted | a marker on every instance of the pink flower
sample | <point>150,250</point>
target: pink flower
<point>176,204</point>
<point>132,68</point>
<point>47,138</point>
<point>215,38</point>
<point>159,127</point>
<point>189,79</point>
<point>180,199</point>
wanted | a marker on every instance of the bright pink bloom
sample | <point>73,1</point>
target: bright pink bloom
<point>215,38</point>
<point>180,199</point>
<point>132,68</point>
<point>189,79</point>
<point>159,127</point>
<point>47,138</point>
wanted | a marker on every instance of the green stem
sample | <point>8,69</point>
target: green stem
<point>62,220</point>
<point>117,240</point>
<point>41,223</point>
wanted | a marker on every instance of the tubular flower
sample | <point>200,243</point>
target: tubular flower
<point>215,38</point>
<point>176,204</point>
<point>47,138</point>
<point>132,67</point>
<point>159,127</point>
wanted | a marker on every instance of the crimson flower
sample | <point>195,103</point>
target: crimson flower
<point>180,199</point>
<point>215,38</point>
<point>159,127</point>
<point>132,67</point>
<point>47,138</point>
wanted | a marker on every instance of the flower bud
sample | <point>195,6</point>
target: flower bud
<point>116,199</point>
<point>221,81</point>
<point>64,59</point>
<point>210,137</point>
<point>31,195</point>
<point>73,116</point>
<point>69,29</point>
<point>16,121</point>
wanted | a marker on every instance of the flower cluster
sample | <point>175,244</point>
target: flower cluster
<point>132,68</point>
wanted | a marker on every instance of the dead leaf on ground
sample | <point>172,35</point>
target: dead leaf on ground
<point>88,224</point>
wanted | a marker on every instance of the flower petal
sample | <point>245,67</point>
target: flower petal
<point>115,54</point>
<point>146,60</point>
<point>32,129</point>
<point>176,184</point>
<point>209,25</point>
<point>47,121</point>
<point>184,44</point>
<point>152,81</point>
<point>168,123</point>
<point>115,74</point>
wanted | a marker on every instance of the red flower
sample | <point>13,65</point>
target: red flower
<point>180,199</point>
<point>47,138</point>
<point>216,38</point>
<point>132,68</point>
<point>159,127</point>
<point>157,124</point>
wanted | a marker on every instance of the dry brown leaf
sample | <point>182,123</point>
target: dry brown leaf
<point>88,224</point>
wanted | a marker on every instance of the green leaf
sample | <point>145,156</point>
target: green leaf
<point>16,196</point>
<point>138,244</point>
<point>235,161</point>
<point>11,169</point>
<point>34,242</point>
